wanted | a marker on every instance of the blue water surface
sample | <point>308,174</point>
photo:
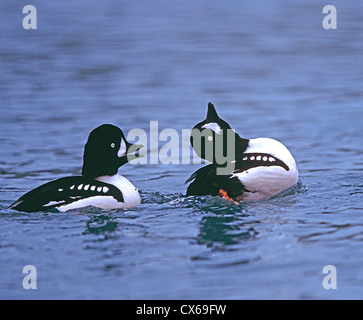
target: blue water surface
<point>271,70</point>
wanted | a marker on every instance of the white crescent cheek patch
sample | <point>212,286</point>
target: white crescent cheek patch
<point>122,151</point>
<point>214,127</point>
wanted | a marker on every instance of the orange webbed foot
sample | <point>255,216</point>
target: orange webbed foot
<point>224,194</point>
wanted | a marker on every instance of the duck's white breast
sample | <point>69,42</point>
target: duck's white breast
<point>129,191</point>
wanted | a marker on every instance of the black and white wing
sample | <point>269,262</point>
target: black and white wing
<point>254,160</point>
<point>64,191</point>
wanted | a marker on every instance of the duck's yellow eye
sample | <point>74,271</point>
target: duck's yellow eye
<point>113,145</point>
<point>210,138</point>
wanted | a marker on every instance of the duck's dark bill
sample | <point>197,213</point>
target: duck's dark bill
<point>133,151</point>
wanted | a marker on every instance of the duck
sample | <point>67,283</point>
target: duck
<point>99,184</point>
<point>240,169</point>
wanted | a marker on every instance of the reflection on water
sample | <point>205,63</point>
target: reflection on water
<point>221,231</point>
<point>101,224</point>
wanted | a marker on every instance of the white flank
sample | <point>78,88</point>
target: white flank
<point>104,202</point>
<point>130,193</point>
<point>266,181</point>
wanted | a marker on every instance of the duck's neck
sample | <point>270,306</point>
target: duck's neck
<point>97,167</point>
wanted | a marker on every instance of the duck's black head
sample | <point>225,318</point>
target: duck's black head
<point>214,140</point>
<point>106,151</point>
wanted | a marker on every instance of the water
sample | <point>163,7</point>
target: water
<point>270,69</point>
